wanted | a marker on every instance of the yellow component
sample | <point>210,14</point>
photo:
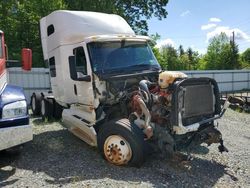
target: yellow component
<point>167,77</point>
<point>94,37</point>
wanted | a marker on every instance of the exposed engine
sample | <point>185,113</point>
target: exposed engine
<point>168,112</point>
<point>151,104</point>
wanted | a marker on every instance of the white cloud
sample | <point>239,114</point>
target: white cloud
<point>239,35</point>
<point>166,42</point>
<point>185,13</point>
<point>214,19</point>
<point>208,26</point>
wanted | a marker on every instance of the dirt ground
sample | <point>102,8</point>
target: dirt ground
<point>56,158</point>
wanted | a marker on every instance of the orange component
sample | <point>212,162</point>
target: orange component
<point>135,104</point>
<point>154,89</point>
<point>164,94</point>
<point>26,59</point>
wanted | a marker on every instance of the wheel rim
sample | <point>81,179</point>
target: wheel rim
<point>33,103</point>
<point>43,107</point>
<point>117,150</point>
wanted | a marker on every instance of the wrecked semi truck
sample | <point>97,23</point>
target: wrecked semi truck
<point>112,93</point>
<point>14,121</point>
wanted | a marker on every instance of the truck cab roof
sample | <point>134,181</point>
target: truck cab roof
<point>64,27</point>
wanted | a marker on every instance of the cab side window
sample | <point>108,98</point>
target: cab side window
<point>80,61</point>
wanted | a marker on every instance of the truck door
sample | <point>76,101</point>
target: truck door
<point>80,73</point>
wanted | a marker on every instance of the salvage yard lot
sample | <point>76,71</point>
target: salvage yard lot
<point>56,158</point>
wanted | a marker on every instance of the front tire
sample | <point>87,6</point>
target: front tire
<point>121,143</point>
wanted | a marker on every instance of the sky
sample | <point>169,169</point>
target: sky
<point>193,23</point>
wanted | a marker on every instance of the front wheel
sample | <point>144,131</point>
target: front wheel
<point>121,143</point>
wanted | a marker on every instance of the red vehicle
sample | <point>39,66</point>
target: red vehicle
<point>14,119</point>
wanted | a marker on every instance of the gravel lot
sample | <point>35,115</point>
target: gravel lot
<point>56,158</point>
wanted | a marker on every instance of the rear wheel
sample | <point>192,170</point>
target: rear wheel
<point>121,143</point>
<point>46,108</point>
<point>35,103</point>
<point>57,110</point>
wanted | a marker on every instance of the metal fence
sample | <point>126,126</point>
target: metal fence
<point>228,80</point>
<point>38,79</point>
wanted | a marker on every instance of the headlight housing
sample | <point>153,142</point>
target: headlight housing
<point>14,110</point>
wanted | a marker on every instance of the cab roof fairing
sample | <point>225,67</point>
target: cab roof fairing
<point>106,38</point>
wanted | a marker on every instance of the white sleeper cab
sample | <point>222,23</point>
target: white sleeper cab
<point>110,91</point>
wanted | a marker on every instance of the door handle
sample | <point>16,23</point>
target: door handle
<point>75,89</point>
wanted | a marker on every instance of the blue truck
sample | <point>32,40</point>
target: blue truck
<point>15,129</point>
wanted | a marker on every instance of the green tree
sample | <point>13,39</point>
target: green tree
<point>20,18</point>
<point>202,63</point>
<point>245,58</point>
<point>8,22</point>
<point>156,51</point>
<point>196,60</point>
<point>234,62</point>
<point>222,54</point>
<point>189,60</point>
<point>154,38</point>
<point>136,12</point>
<point>159,58</point>
<point>181,51</point>
<point>246,55</point>
<point>193,59</point>
<point>184,62</point>
<point>190,57</point>
<point>20,22</point>
<point>170,57</point>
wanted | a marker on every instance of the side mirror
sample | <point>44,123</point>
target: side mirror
<point>26,59</point>
<point>86,78</point>
<point>73,73</point>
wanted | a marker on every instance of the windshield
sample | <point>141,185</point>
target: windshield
<point>121,56</point>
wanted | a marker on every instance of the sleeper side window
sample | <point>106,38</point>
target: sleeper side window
<point>80,61</point>
<point>52,67</point>
<point>50,30</point>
